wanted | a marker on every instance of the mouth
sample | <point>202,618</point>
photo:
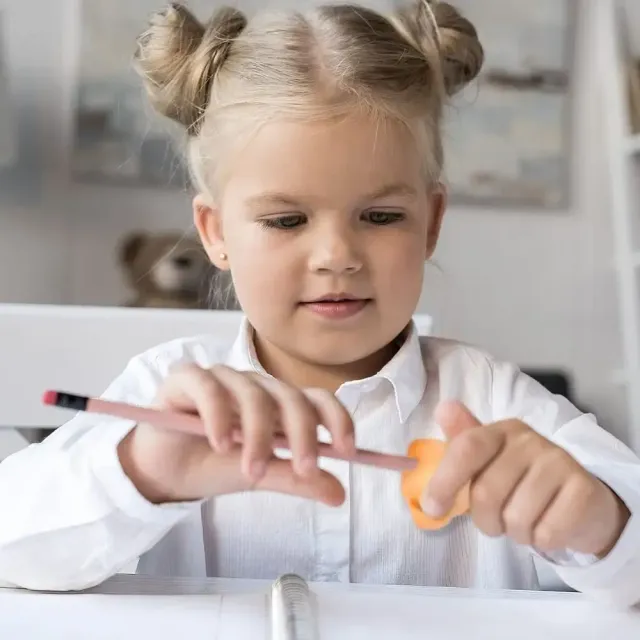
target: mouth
<point>336,297</point>
<point>337,306</point>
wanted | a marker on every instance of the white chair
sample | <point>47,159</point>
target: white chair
<point>81,349</point>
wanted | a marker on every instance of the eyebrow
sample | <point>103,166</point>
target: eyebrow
<point>395,189</point>
<point>274,198</point>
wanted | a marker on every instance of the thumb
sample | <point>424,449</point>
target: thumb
<point>454,418</point>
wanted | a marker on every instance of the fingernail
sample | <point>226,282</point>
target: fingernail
<point>433,508</point>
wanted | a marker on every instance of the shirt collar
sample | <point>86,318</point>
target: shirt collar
<point>405,371</point>
<point>243,354</point>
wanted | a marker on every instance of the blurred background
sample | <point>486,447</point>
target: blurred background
<point>538,259</point>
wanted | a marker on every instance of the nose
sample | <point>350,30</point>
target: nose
<point>335,252</point>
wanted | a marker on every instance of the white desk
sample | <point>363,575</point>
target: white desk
<point>237,610</point>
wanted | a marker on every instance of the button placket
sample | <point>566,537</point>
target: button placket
<point>333,524</point>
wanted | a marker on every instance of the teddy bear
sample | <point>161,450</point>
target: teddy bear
<point>171,270</point>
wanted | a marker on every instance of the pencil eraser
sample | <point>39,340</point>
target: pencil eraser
<point>49,397</point>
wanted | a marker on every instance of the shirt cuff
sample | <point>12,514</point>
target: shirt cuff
<point>615,578</point>
<point>567,558</point>
<point>106,466</point>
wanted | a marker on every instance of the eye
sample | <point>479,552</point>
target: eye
<point>285,223</point>
<point>383,217</point>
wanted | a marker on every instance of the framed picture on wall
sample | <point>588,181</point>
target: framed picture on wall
<point>508,136</point>
<point>117,137</point>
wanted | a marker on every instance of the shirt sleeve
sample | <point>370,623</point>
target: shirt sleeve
<point>615,578</point>
<point>71,518</point>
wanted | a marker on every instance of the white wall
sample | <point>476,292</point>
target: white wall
<point>539,288</point>
<point>542,296</point>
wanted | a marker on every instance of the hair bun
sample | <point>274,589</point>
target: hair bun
<point>460,49</point>
<point>438,29</point>
<point>178,58</point>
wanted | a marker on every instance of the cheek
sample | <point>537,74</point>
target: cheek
<point>401,260</point>
<point>259,265</point>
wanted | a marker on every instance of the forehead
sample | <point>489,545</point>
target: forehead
<point>338,160</point>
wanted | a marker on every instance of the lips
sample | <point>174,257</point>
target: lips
<point>337,306</point>
<point>336,297</point>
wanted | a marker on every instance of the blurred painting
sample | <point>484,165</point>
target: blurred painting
<point>508,137</point>
<point>118,139</point>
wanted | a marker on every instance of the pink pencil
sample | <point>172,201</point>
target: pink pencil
<point>193,425</point>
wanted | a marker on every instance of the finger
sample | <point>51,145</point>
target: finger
<point>335,418</point>
<point>320,486</point>
<point>466,456</point>
<point>564,516</point>
<point>279,477</point>
<point>492,488</point>
<point>454,418</point>
<point>192,389</point>
<point>258,414</point>
<point>214,475</point>
<point>531,498</point>
<point>299,420</point>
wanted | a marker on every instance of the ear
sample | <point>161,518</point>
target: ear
<point>438,206</point>
<point>208,222</point>
<point>130,247</point>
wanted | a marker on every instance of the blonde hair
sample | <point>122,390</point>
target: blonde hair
<point>217,78</point>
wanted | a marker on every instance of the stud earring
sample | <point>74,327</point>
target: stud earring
<point>223,257</point>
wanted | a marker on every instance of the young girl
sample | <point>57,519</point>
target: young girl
<point>314,141</point>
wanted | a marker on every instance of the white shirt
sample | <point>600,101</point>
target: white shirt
<point>71,518</point>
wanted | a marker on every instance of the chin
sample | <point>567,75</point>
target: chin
<point>338,352</point>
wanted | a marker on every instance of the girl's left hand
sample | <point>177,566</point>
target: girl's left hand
<point>523,486</point>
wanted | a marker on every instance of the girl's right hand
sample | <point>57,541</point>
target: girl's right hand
<point>170,466</point>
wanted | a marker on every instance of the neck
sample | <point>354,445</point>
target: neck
<point>305,374</point>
